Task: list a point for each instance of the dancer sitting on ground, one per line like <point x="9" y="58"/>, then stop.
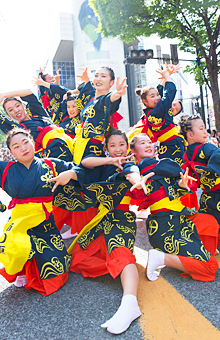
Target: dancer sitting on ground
<point x="108" y="246"/>
<point x="181" y="241"/>
<point x="32" y="250"/>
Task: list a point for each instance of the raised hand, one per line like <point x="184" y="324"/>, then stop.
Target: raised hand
<point x="118" y="161"/>
<point x="172" y="68"/>
<point x="183" y="182"/>
<point x="57" y="77"/>
<point x="37" y="81"/>
<point x="120" y="87"/>
<point x="63" y="178"/>
<point x="141" y="184"/>
<point x="42" y="69"/>
<point x="84" y="76"/>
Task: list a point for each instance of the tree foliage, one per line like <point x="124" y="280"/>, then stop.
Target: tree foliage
<point x="196" y="23"/>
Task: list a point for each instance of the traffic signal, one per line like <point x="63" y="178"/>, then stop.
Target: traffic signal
<point x="139" y="56"/>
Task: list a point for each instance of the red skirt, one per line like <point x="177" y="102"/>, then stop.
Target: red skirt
<point x="207" y="228"/>
<point x="190" y="201"/>
<point x="202" y="271"/>
<point x="44" y="287"/>
<point x="95" y="261"/>
<point x="75" y="219"/>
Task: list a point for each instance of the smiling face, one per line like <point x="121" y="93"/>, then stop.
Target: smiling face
<point x="117" y="146"/>
<point x="198" y="133"/>
<point x="72" y="109"/>
<point x="22" y="148"/>
<point x="16" y="111"/>
<point x="102" y="81"/>
<point x="176" y="108"/>
<point x="49" y="79"/>
<point x="152" y="98"/>
<point x="143" y="148"/>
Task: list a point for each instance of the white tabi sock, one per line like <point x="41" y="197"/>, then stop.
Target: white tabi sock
<point x="155" y="259"/>
<point x="126" y="313"/>
<point x="20" y="281"/>
<point x="68" y="234"/>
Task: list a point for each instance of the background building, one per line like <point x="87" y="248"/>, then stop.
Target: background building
<point x="76" y="44"/>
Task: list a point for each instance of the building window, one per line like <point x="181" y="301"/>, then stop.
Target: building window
<point x="67" y="73"/>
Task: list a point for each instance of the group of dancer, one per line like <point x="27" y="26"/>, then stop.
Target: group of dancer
<point x="75" y="167"/>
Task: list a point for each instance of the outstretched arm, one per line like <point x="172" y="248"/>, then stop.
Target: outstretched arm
<point x="63" y="178"/>
<point x="18" y="93"/>
<point x="138" y="181"/>
<point x="57" y="77"/>
<point x="183" y="182"/>
<point x="120" y="90"/>
<point x="40" y="82"/>
<point x="84" y="76"/>
<point x="92" y="162"/>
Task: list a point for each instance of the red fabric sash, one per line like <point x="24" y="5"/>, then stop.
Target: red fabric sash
<point x="65" y="118"/>
<point x="23" y="126"/>
<point x="45" y="199"/>
<point x="43" y="132"/>
<point x="5" y="173"/>
<point x="42" y="200"/>
<point x="190" y="164"/>
<point x="148" y="168"/>
<point x="153" y="198"/>
<point x="162" y="132"/>
<point x="50" y="164"/>
<point x="45" y="100"/>
<point x="157" y="134"/>
<point x="115" y="118"/>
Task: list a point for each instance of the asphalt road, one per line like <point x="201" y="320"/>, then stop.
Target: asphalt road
<point x="78" y="309"/>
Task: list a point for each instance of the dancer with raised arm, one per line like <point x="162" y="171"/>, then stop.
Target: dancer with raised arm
<point x="50" y="140"/>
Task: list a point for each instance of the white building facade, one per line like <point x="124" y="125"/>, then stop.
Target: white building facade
<point x="76" y="44"/>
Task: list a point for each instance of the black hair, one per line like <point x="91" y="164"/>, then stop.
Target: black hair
<point x="114" y="132"/>
<point x="111" y="72"/>
<point x="8" y="100"/>
<point x="70" y="96"/>
<point x="185" y="123"/>
<point x="43" y="76"/>
<point x="142" y="92"/>
<point x="15" y="132"/>
<point x="215" y="133"/>
<point x="181" y="105"/>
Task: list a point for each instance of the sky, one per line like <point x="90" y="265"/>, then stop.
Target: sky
<point x="25" y="27"/>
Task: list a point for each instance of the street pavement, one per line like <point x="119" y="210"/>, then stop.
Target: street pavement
<point x="172" y="307"/>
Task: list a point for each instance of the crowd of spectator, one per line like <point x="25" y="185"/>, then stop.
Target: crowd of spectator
<point x="5" y="155"/>
<point x="214" y="137"/>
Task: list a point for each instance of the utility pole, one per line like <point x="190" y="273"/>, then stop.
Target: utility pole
<point x="201" y="90"/>
<point x="207" y="103"/>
